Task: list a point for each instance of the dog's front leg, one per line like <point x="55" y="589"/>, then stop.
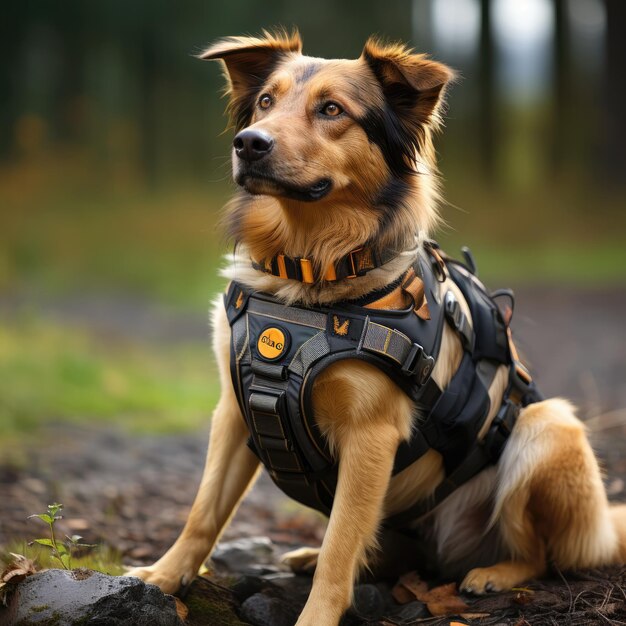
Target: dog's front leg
<point x="367" y="453"/>
<point x="228" y="472"/>
<point x="229" y="469"/>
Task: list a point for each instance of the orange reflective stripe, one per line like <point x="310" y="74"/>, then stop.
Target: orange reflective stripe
<point x="282" y="270"/>
<point x="330" y="273"/>
<point x="307" y="271"/>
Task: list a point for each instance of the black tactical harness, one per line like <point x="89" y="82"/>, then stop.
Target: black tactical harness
<point x="277" y="351"/>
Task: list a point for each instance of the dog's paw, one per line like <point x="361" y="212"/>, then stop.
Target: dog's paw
<point x="501" y="577"/>
<point x="302" y="560"/>
<point x="168" y="581"/>
<point x="483" y="580"/>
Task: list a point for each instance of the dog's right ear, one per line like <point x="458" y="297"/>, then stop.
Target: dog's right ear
<point x="248" y="61"/>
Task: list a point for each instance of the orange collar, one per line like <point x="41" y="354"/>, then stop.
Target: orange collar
<point x="356" y="263"/>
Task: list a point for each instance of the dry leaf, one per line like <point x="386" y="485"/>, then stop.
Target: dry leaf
<point x="474" y="615"/>
<point x="19" y="566"/>
<point x="181" y="609"/>
<point x="444" y="600"/>
<point x="401" y="594"/>
<point x="18" y="569"/>
<point x="414" y="584"/>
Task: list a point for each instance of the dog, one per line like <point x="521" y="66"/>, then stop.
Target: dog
<point x="333" y="157"/>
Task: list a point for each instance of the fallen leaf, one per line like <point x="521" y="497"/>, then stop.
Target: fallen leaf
<point x="444" y="600"/>
<point x="18" y="569"/>
<point x="401" y="594"/>
<point x="19" y="566"/>
<point x="204" y="570"/>
<point x="414" y="584"/>
<point x="474" y="615"/>
<point x="181" y="609"/>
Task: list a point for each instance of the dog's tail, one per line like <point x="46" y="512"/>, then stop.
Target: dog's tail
<point x="618" y="516"/>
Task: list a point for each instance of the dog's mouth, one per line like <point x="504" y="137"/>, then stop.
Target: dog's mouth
<point x="261" y="183"/>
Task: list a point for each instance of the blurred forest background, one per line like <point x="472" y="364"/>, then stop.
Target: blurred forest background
<point x="114" y="166"/>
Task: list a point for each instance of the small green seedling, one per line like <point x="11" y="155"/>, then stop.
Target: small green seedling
<point x="61" y="551"/>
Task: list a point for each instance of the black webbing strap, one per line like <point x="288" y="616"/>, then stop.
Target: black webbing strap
<point x="483" y="453"/>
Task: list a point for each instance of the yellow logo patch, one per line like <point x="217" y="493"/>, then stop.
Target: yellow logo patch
<point x="272" y="343"/>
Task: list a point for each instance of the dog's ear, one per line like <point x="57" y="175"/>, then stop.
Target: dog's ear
<point x="412" y="83"/>
<point x="248" y="61"/>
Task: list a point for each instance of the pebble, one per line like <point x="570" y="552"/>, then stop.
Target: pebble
<point x="262" y="610"/>
<point x="367" y="602"/>
<point x="246" y="556"/>
<point x="410" y="612"/>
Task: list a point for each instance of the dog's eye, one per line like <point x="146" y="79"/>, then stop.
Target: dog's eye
<point x="265" y="101"/>
<point x="332" y="109"/>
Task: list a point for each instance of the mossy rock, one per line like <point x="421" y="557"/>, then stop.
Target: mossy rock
<point x="211" y="603"/>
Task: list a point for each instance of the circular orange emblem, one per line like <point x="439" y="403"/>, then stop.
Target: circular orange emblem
<point x="272" y="343"/>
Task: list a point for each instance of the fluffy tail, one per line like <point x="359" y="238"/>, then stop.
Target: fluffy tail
<point x="618" y="515"/>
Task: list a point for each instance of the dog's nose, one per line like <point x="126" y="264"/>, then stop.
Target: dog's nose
<point x="252" y="145"/>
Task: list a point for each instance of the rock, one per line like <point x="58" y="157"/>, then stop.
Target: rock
<point x="245" y="556"/>
<point x="368" y="602"/>
<point x="247" y="586"/>
<point x="262" y="610"/>
<point x="408" y="613"/>
<point x="67" y="598"/>
<point x="211" y="603"/>
<point x="293" y="588"/>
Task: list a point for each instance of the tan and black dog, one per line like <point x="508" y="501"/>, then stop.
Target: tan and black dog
<point x="333" y="157"/>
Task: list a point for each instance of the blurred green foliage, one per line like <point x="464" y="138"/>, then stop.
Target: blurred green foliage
<point x="51" y="373"/>
<point x="114" y="167"/>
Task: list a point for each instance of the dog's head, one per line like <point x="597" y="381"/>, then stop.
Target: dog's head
<point x="327" y="137"/>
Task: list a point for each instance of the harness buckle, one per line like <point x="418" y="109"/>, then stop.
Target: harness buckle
<point x="418" y="362"/>
<point x="459" y="321"/>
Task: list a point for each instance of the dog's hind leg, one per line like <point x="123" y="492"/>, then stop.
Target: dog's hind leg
<point x="550" y="501"/>
<point x="229" y="470"/>
<point x="302" y="560"/>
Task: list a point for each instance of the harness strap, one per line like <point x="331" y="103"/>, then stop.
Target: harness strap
<point x="356" y="263"/>
<point x="482" y="454"/>
<point x="458" y="320"/>
<point x="397" y="346"/>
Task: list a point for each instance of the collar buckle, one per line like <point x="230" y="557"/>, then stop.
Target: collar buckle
<point x="354" y="264"/>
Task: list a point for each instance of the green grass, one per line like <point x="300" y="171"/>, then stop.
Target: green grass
<point x="101" y="558"/>
<point x="50" y="373"/>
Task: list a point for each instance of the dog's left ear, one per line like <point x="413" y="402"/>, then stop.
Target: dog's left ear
<point x="412" y="83"/>
<point x="248" y="61"/>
